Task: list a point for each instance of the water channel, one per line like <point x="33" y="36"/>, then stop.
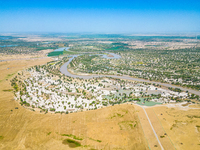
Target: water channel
<point x="64" y="71"/>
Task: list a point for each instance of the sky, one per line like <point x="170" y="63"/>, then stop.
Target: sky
<point x="100" y="16"/>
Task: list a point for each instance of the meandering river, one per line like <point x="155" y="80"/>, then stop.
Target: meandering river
<point x="61" y="49"/>
<point x="64" y="70"/>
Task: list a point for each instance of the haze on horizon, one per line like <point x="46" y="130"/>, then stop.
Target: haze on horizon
<point x="100" y="16"/>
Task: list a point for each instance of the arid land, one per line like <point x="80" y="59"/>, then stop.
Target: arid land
<point x="123" y="126"/>
<point x="24" y="129"/>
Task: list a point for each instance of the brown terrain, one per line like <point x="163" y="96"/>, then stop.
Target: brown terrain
<point x="122" y="126"/>
<point x="114" y="127"/>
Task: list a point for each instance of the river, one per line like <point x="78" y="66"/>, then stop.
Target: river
<point x="7" y="45"/>
<point x="61" y="49"/>
<point x="64" y="71"/>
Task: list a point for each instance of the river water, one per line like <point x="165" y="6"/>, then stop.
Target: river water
<point x="7" y="45"/>
<point x="64" y="71"/>
<point x="61" y="49"/>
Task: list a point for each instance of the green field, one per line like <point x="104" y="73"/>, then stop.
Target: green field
<point x="55" y="53"/>
<point x="146" y="103"/>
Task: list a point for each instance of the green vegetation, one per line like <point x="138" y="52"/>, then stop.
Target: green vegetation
<point x="9" y="90"/>
<point x="71" y="143"/>
<point x="126" y="125"/>
<point x="44" y="48"/>
<point x="14" y="84"/>
<point x="118" y="46"/>
<point x="69" y="53"/>
<point x="146" y="103"/>
<point x="175" y="89"/>
<point x="1" y="137"/>
<point x="55" y="53"/>
<point x="162" y="136"/>
<point x="72" y="136"/>
<point x="10" y="75"/>
<point x="153" y="62"/>
<point x="14" y="45"/>
<point x="95" y="140"/>
<point x="52" y="109"/>
<point x="193" y="116"/>
<point x="180" y="67"/>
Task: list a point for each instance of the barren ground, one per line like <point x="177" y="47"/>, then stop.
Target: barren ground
<point x="114" y="127"/>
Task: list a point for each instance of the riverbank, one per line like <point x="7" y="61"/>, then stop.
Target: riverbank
<point x="65" y="71"/>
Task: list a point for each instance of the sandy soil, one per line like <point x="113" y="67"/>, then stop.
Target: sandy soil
<point x="42" y="53"/>
<point x="182" y="126"/>
<point x="122" y="126"/>
<point x="107" y="128"/>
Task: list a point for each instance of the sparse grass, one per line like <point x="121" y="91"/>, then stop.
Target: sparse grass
<point x="8" y="90"/>
<point x="10" y="75"/>
<point x="193" y="116"/>
<point x="88" y="123"/>
<point x="126" y="125"/>
<point x="198" y="128"/>
<point x="1" y="137"/>
<point x="95" y="140"/>
<point x="180" y="121"/>
<point x="174" y="125"/>
<point x="49" y="133"/>
<point x="72" y="136"/>
<point x="119" y="115"/>
<point x="185" y="104"/>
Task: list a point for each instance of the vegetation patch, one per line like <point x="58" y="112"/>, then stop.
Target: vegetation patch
<point x="117" y="115"/>
<point x="71" y="143"/>
<point x="126" y="125"/>
<point x="174" y="125"/>
<point x="162" y="136"/>
<point x="55" y="53"/>
<point x="175" y="89"/>
<point x="198" y="127"/>
<point x="69" y="52"/>
<point x="95" y="140"/>
<point x="1" y="137"/>
<point x="72" y="136"/>
<point x="10" y="75"/>
<point x="44" y="48"/>
<point x="49" y="133"/>
<point x="8" y="90"/>
<point x="193" y="116"/>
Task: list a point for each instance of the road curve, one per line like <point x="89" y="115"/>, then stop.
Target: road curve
<point x="64" y="71"/>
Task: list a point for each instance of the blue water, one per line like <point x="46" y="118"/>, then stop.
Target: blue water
<point x="61" y="49"/>
<point x="3" y="38"/>
<point x="7" y="45"/>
